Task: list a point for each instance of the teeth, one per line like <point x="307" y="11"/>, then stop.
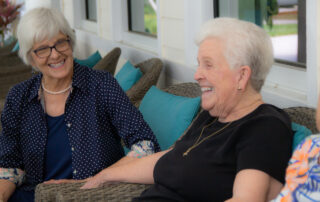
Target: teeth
<point x="206" y="89"/>
<point x="56" y="65"/>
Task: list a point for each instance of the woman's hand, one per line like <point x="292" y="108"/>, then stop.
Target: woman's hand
<point x="63" y="181"/>
<point x="93" y="182"/>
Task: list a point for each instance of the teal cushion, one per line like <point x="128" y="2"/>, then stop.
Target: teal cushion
<point x="91" y="61"/>
<point x="15" y="48"/>
<point x="300" y="132"/>
<point x="128" y="76"/>
<point x="168" y="115"/>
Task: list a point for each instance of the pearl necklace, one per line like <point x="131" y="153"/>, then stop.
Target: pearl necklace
<point x="57" y="92"/>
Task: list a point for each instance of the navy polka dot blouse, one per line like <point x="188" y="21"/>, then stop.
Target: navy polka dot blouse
<point x="98" y="114"/>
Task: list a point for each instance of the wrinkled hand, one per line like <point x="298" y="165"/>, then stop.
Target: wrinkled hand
<point x="63" y="181"/>
<point x="93" y="182"/>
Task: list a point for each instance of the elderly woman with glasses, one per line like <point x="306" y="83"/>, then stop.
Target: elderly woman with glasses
<point x="66" y="122"/>
<point x="238" y="147"/>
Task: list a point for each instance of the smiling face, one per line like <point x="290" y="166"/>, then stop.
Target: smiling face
<point x="218" y="82"/>
<point x="58" y="65"/>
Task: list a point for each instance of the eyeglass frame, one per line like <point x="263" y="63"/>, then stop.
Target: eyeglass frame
<point x="51" y="47"/>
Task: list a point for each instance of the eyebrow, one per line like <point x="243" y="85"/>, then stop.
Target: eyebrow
<point x="45" y="46"/>
<point x="206" y="59"/>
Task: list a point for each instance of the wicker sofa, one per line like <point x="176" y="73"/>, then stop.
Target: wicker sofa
<point x="109" y="61"/>
<point x="151" y="70"/>
<point x="126" y="191"/>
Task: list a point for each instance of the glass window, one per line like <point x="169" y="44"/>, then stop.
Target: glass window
<point x="284" y="20"/>
<point x="91" y="10"/>
<point x="143" y="16"/>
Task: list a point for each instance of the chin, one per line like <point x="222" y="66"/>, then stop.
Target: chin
<point x="205" y="107"/>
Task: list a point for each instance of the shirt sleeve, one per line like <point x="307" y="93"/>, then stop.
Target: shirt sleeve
<point x="10" y="152"/>
<point x="141" y="149"/>
<point x="126" y="118"/>
<point x="265" y="144"/>
<point x="14" y="175"/>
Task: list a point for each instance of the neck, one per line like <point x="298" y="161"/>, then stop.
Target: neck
<point x="245" y="106"/>
<point x="56" y="84"/>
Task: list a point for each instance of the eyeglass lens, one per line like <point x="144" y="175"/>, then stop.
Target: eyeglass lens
<point x="60" y="46"/>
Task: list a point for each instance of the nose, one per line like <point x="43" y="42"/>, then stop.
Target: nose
<point x="54" y="53"/>
<point x="198" y="74"/>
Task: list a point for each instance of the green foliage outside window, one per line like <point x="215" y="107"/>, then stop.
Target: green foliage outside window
<point x="150" y="18"/>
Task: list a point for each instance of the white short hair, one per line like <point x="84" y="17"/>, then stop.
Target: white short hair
<point x="246" y="44"/>
<point x="39" y="24"/>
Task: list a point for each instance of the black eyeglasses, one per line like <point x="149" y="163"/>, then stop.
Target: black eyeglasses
<point x="60" y="46"/>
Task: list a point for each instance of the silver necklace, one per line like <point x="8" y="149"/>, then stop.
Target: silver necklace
<point x="57" y="92"/>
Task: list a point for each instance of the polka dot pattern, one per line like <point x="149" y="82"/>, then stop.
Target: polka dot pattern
<point x="98" y="114"/>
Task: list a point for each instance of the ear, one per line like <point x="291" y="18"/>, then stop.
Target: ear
<point x="244" y="77"/>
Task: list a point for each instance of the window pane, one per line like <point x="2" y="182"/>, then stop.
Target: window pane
<point x="284" y="20"/>
<point x="91" y="10"/>
<point x="143" y="16"/>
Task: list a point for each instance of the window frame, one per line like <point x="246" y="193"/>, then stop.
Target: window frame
<point x="277" y="60"/>
<point x="130" y="23"/>
<point x="122" y="34"/>
<point x="87" y="11"/>
<point x="81" y="21"/>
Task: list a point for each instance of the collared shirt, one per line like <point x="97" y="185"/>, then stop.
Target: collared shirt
<point x="98" y="114"/>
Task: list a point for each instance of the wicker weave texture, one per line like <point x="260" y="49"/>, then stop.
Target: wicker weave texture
<point x="6" y="70"/>
<point x="151" y="70"/>
<point x="71" y="192"/>
<point x="184" y="89"/>
<point x="304" y="116"/>
<point x="7" y="49"/>
<point x="109" y="62"/>
<point x="48" y="192"/>
<point x="10" y="60"/>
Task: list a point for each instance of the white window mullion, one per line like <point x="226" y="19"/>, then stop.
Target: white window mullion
<point x="313" y="54"/>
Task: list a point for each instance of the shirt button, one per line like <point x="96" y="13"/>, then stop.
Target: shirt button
<point x="72" y="149"/>
<point x="69" y="125"/>
<point x="75" y="172"/>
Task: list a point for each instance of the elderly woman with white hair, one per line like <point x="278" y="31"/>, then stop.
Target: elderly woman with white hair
<point x="66" y="122"/>
<point x="238" y="147"/>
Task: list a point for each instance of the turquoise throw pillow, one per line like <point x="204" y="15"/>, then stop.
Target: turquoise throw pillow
<point x="168" y="115"/>
<point x="15" y="48"/>
<point x="91" y="61"/>
<point x="300" y="132"/>
<point x="128" y="76"/>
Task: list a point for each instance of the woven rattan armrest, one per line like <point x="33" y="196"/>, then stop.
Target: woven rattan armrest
<point x="72" y="192"/>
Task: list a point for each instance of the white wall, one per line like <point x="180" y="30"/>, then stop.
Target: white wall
<point x="172" y="26"/>
<point x="178" y="22"/>
<point x="30" y="4"/>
